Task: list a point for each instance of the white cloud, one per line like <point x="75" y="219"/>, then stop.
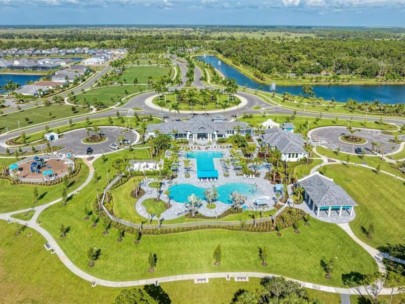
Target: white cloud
<point x="309" y="4"/>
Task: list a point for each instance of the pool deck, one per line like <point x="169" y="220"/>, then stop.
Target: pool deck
<point x="265" y="190"/>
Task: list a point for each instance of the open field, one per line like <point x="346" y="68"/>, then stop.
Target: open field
<point x="380" y="200"/>
<point x="108" y="96"/>
<point x="124" y="260"/>
<point x="144" y="74"/>
<point x="38" y="115"/>
<point x="30" y="274"/>
<point x="15" y="197"/>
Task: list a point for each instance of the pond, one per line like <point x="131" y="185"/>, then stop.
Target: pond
<point x="389" y="94"/>
<point x="21" y="79"/>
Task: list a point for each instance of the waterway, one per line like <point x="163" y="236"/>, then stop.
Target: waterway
<point x="21" y="79"/>
<point x="389" y="94"/>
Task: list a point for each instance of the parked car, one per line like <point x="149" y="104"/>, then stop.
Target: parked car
<point x="114" y="146"/>
<point x="358" y="150"/>
<point x="126" y="142"/>
<point x="89" y="150"/>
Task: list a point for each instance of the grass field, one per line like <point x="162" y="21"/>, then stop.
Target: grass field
<point x="38" y="115"/>
<point x="144" y="74"/>
<point x="30" y="274"/>
<point x="191" y="252"/>
<point x="110" y="95"/>
<point x="372" y="161"/>
<point x="399" y="155"/>
<point x="26" y="268"/>
<point x="154" y="207"/>
<point x="380" y="200"/>
<point x="304" y="124"/>
<point x="15" y="197"/>
<point x="304" y="169"/>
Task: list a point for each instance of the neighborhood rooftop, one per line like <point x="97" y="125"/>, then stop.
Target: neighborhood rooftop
<point x="285" y="142"/>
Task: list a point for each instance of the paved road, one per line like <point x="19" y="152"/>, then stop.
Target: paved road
<point x="87" y="84"/>
<point x="197" y="78"/>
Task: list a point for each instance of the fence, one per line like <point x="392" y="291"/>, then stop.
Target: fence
<point x="189" y="225"/>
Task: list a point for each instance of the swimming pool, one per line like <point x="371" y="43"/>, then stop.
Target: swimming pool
<point x="180" y="193"/>
<point x="205" y="163"/>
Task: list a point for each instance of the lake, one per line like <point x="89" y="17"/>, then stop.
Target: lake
<point x="389" y="94"/>
<point x="21" y="79"/>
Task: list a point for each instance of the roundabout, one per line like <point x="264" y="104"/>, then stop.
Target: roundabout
<point x="149" y="103"/>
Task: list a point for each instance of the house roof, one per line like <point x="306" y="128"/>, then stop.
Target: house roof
<point x="197" y="124"/>
<point x="31" y="89"/>
<point x="283" y="141"/>
<point x="324" y="192"/>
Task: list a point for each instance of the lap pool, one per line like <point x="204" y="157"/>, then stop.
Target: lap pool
<point x="205" y="163"/>
<point x="180" y="193"/>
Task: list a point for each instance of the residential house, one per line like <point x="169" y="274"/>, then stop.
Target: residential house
<point x="290" y="145"/>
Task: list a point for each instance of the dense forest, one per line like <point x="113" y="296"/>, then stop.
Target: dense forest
<point x="365" y="58"/>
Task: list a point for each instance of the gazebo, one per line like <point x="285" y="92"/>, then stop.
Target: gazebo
<point x="323" y="196"/>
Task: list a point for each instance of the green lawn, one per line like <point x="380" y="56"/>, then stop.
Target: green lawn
<point x="372" y="161"/>
<point x="109" y="96"/>
<point x="399" y="155"/>
<point x="25" y="216"/>
<point x="30" y="274"/>
<point x="124" y="260"/>
<point x="144" y="73"/>
<point x="15" y="197"/>
<point x="38" y="115"/>
<point x="301" y="125"/>
<point x="154" y="207"/>
<point x="380" y="200"/>
<point x="303" y="170"/>
<point x="124" y="204"/>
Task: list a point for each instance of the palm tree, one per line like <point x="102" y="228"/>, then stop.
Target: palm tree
<point x="211" y="195"/>
<point x="187" y="164"/>
<point x="193" y="200"/>
<point x="237" y="200"/>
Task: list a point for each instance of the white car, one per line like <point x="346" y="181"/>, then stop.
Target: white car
<point x="114" y="146"/>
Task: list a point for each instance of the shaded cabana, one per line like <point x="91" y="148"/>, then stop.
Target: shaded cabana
<point x="322" y="195"/>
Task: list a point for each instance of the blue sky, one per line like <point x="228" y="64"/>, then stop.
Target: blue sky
<point x="233" y="12"/>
